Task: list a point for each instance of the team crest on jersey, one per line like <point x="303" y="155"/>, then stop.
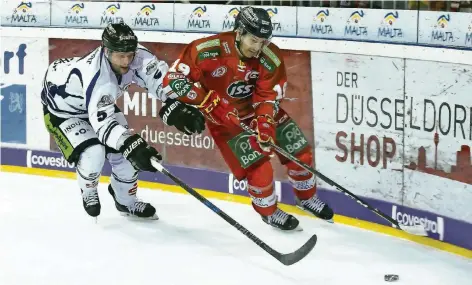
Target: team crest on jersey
<point x="105" y="100"/>
<point x="125" y="87"/>
<point x="192" y="95"/>
<point x="220" y="71"/>
<point x="151" y="67"/>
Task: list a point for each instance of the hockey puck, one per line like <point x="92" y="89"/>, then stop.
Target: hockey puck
<point x="391" y="277"/>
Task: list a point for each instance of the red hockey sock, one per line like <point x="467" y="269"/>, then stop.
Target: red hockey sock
<point x="261" y="189"/>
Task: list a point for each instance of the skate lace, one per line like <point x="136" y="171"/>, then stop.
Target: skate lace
<point x="137" y="206"/>
<point x="279" y="217"/>
<point x="90" y="197"/>
<point x="314" y="203"/>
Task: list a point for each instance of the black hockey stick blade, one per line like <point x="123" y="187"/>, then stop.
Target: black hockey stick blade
<point x="299" y="254"/>
<point x="286" y="259"/>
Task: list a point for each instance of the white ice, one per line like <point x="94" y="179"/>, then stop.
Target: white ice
<point x="47" y="238"/>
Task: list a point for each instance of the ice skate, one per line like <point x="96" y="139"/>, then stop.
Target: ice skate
<point x="136" y="209"/>
<point x="91" y="202"/>
<point x="283" y="221"/>
<point x="316" y="207"/>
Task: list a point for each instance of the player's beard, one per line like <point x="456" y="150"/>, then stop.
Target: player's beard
<point x="124" y="69"/>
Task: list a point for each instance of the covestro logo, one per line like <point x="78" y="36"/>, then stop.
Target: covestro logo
<point x="47" y="160"/>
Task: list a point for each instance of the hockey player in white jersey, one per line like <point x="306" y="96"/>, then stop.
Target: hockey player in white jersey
<point x="79" y="97"/>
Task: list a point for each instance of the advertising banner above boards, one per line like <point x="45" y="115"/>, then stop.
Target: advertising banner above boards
<point x="25" y="13"/>
<point x="442" y="28"/>
<point x="199" y="151"/>
<point x="435" y="28"/>
<point x="362" y="24"/>
<point x="440" y="228"/>
<point x="148" y="16"/>
<point x="22" y="62"/>
<point x="218" y="18"/>
<point x="396" y="130"/>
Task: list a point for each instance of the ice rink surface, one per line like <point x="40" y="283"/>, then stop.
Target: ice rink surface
<point x="47" y="238"/>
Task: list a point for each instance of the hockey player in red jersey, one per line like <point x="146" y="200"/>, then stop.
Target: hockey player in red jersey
<point x="241" y="75"/>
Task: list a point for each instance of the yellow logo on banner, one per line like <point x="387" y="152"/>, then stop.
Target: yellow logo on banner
<point x="199" y="11"/>
<point x="199" y="19"/>
<point x="233" y="13"/>
<point x="391" y="18"/>
<point x="443" y="21"/>
<point x="356" y="17"/>
<point x="321" y="16"/>
<point x="23" y="7"/>
<point x="113" y="9"/>
<point x="144" y="17"/>
<point x="272" y="12"/>
<point x="77" y="8"/>
<point x="147" y="10"/>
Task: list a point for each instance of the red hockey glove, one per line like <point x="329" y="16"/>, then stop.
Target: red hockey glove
<point x="265" y="128"/>
<point x="219" y="110"/>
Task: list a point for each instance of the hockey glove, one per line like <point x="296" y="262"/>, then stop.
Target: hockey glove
<point x="265" y="128"/>
<point x="219" y="110"/>
<point x="136" y="150"/>
<point x="185" y="118"/>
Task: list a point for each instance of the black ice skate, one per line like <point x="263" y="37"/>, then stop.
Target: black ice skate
<point x="316" y="207"/>
<point x="91" y="202"/>
<point x="283" y="221"/>
<point x="137" y="209"/>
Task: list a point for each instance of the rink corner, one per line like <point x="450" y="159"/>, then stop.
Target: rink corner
<point x="246" y="200"/>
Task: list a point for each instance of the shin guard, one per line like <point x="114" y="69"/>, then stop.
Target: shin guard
<point x="261" y="189"/>
<point x="303" y="181"/>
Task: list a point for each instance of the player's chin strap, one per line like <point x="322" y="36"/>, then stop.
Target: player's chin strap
<point x="286" y="259"/>
<point x="413" y="229"/>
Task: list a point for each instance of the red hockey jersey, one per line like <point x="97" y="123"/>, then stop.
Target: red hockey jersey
<point x="252" y="86"/>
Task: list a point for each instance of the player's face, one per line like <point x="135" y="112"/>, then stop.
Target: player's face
<point x="120" y="61"/>
<point x="251" y="45"/>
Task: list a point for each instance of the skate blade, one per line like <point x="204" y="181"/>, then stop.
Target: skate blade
<point x="133" y="217"/>
<point x="331" y="221"/>
<point x="297" y="229"/>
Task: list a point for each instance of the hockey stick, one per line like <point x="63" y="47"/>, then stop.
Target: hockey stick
<point x="414" y="230"/>
<point x="286" y="259"/>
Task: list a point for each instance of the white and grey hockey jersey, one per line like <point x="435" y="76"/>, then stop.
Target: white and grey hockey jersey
<point x="86" y="87"/>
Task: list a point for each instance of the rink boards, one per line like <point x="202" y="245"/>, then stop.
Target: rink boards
<point x="388" y="122"/>
<point x="222" y="185"/>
